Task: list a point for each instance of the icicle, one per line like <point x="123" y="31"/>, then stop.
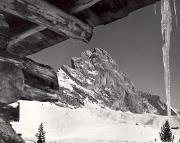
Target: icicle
<point x="166" y="27"/>
<point x="175" y="12"/>
<point x="155" y="9"/>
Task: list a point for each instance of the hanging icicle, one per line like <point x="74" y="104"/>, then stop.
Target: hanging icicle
<point x="175" y="12"/>
<point x="155" y="8"/>
<point x="166" y="28"/>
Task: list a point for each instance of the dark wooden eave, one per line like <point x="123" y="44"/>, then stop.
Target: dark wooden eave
<point x="36" y="75"/>
<point x="10" y="113"/>
<point x="39" y="24"/>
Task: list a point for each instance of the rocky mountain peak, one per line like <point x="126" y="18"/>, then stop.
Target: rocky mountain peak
<point x="96" y="76"/>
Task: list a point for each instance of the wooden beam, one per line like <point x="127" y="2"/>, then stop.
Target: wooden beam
<point x="35" y="94"/>
<point x="35" y="74"/>
<point x="25" y="34"/>
<point x="10" y="113"/>
<point x="13" y="61"/>
<point x="42" y="13"/>
<point x="77" y="7"/>
<point x="53" y="96"/>
<point x="82" y="5"/>
<point x="34" y="41"/>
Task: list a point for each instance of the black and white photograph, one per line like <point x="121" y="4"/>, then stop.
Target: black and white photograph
<point x="89" y="71"/>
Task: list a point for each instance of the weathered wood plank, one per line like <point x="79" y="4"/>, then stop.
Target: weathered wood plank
<point x="77" y="7"/>
<point x="107" y="11"/>
<point x="17" y="63"/>
<point x="29" y="38"/>
<point x="10" y="113"/>
<point x="26" y="44"/>
<point x="42" y="13"/>
<point x="54" y="96"/>
<point x="82" y="5"/>
<point x="35" y="74"/>
<point x="93" y="12"/>
<point x="35" y="94"/>
<point x="26" y="34"/>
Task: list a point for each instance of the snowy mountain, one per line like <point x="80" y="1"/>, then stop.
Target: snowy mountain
<point x="96" y="76"/>
<point x="110" y="107"/>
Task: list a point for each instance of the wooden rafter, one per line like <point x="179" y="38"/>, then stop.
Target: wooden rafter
<point x="82" y="5"/>
<point x="10" y="113"/>
<point x="42" y="13"/>
<point x="35" y="74"/>
<point x="25" y="34"/>
<point x="94" y="12"/>
<point x="77" y="7"/>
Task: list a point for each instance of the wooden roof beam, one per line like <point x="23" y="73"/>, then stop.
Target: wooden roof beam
<point x="78" y="7"/>
<point x="9" y="113"/>
<point x="25" y="34"/>
<point x="44" y="14"/>
<point x="82" y="5"/>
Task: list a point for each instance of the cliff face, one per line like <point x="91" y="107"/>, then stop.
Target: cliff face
<point x="96" y="76"/>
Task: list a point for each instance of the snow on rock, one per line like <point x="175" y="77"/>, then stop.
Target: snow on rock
<point x="96" y="76"/>
<point x="113" y="110"/>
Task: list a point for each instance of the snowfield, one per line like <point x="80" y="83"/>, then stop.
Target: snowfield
<point x="97" y="141"/>
<point x="91" y="124"/>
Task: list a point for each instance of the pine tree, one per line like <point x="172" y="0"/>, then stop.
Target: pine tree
<point x="41" y="134"/>
<point x="166" y="134"/>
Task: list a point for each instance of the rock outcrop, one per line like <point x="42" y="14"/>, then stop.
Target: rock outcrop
<point x="96" y="76"/>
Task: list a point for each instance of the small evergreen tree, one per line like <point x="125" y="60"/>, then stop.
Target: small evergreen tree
<point x="166" y="134"/>
<point x="41" y="134"/>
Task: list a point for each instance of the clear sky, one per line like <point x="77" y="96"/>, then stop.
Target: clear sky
<point x="135" y="43"/>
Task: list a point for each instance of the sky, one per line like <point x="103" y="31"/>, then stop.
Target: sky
<point x="135" y="43"/>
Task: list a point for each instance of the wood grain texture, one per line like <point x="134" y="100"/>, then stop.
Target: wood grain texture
<point x="107" y="11"/>
<point x="42" y="13"/>
<point x="35" y="41"/>
<point x="28" y="42"/>
<point x="10" y="113"/>
<point x="35" y="74"/>
<point x="92" y="12"/>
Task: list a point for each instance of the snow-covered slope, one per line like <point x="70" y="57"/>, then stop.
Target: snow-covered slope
<point x="91" y="123"/>
<point x="96" y="76"/>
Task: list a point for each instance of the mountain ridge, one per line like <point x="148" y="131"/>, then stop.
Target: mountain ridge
<point x="96" y="76"/>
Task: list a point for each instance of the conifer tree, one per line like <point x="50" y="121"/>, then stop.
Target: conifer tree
<point x="41" y="134"/>
<point x="166" y="134"/>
